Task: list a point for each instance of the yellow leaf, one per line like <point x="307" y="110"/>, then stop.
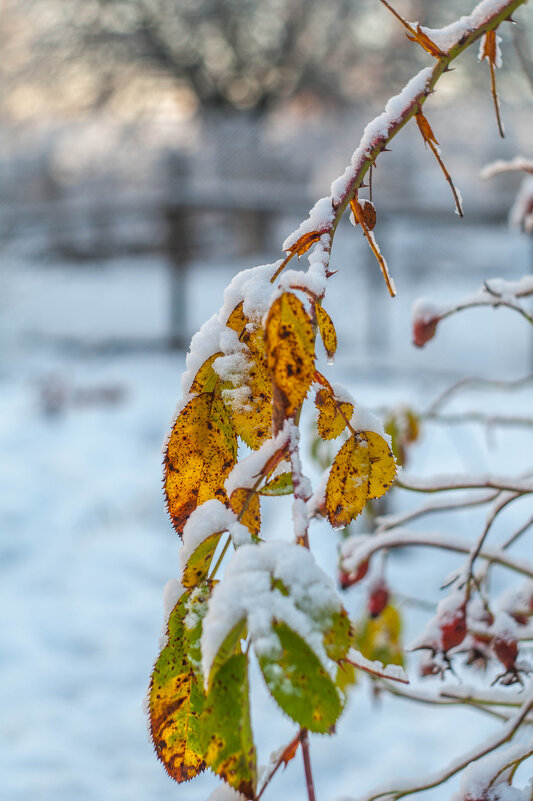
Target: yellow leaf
<point x="206" y="379"/>
<point x="382" y="464"/>
<point x="332" y="415"/>
<point x="327" y="331"/>
<point x="290" y="355"/>
<point x="250" y="402"/>
<point x="363" y="469"/>
<point x="245" y="503"/>
<point x="200" y="454"/>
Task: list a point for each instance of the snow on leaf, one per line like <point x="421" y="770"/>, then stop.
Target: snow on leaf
<point x="299" y="682"/>
<point x="200" y="454"/>
<point x="332" y="414"/>
<point x="327" y="331"/>
<point x="363" y="469"/>
<point x="290" y="355"/>
<point x="245" y="504"/>
<point x="226" y="731"/>
<point x="176" y="700"/>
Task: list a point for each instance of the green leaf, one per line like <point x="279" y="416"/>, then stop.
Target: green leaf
<point x="281" y="485"/>
<point x="199" y="561"/>
<point x="226" y="728"/>
<point x="230" y="645"/>
<point x="299" y="682"/>
<point x="176" y="700"/>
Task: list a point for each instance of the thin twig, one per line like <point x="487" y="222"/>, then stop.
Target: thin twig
<point x="307" y="765"/>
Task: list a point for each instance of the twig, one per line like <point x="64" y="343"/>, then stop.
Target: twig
<point x="365" y="547"/>
<point x="307" y="765"/>
<point x="484" y="383"/>
<point x="387" y="522"/>
<point x="434" y="780"/>
<point x="517" y="534"/>
<point x="445" y="483"/>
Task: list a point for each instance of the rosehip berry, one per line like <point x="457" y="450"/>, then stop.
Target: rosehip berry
<point x="424" y="330"/>
<point x="453" y="628"/>
<point x="506" y="650"/>
<point x="377" y="600"/>
<point x="347" y="579"/>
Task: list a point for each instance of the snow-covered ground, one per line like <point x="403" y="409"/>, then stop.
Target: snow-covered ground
<point x="86" y="546"/>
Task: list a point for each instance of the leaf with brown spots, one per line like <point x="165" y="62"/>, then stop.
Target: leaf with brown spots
<point x="206" y="379"/>
<point x="333" y="415"/>
<point x="299" y="682"/>
<point x="250" y="399"/>
<point x="200" y="454"/>
<point x="245" y="504"/>
<point x="176" y="701"/>
<point x="226" y="731"/>
<point x="368" y="212"/>
<point x="327" y="331"/>
<point x="290" y="355"/>
<point x="363" y="469"/>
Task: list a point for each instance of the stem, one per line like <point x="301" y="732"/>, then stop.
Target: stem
<point x="494" y="93"/>
<point x="307" y="765"/>
<point x="435" y="151"/>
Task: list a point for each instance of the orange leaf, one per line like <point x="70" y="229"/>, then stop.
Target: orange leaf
<point x="425" y="128"/>
<point x="425" y="42"/>
<point x="304" y="243"/>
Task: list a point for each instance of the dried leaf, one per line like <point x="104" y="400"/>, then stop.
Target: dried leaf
<point x="245" y="504"/>
<point x="363" y="469"/>
<point x="327" y="331"/>
<point x="425" y="128"/>
<point x="290" y="355"/>
<point x="359" y="219"/>
<point x="200" y="454"/>
<point x="332" y="414"/>
<point x="226" y="727"/>
<point x="425" y="42"/>
<point x="304" y="243"/>
<point x="489" y="50"/>
<point x="176" y="700"/>
<point x="429" y="138"/>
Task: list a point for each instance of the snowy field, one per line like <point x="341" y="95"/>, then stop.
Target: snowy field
<point x="86" y="546"/>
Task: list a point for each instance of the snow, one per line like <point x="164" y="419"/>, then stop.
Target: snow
<point x="392" y="672"/>
<point x="517" y="164"/>
<point x="446" y="38"/>
<point x="320" y="218"/>
<point x="365" y="420"/>
<point x="87" y="546"/>
<point x="246" y="593"/>
<point x="209" y="518"/>
<point x="379" y="128"/>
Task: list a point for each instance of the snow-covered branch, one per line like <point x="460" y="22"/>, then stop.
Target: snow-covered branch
<point x="357" y="549"/>
<point x="395" y="790"/>
<point x="495" y="292"/>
